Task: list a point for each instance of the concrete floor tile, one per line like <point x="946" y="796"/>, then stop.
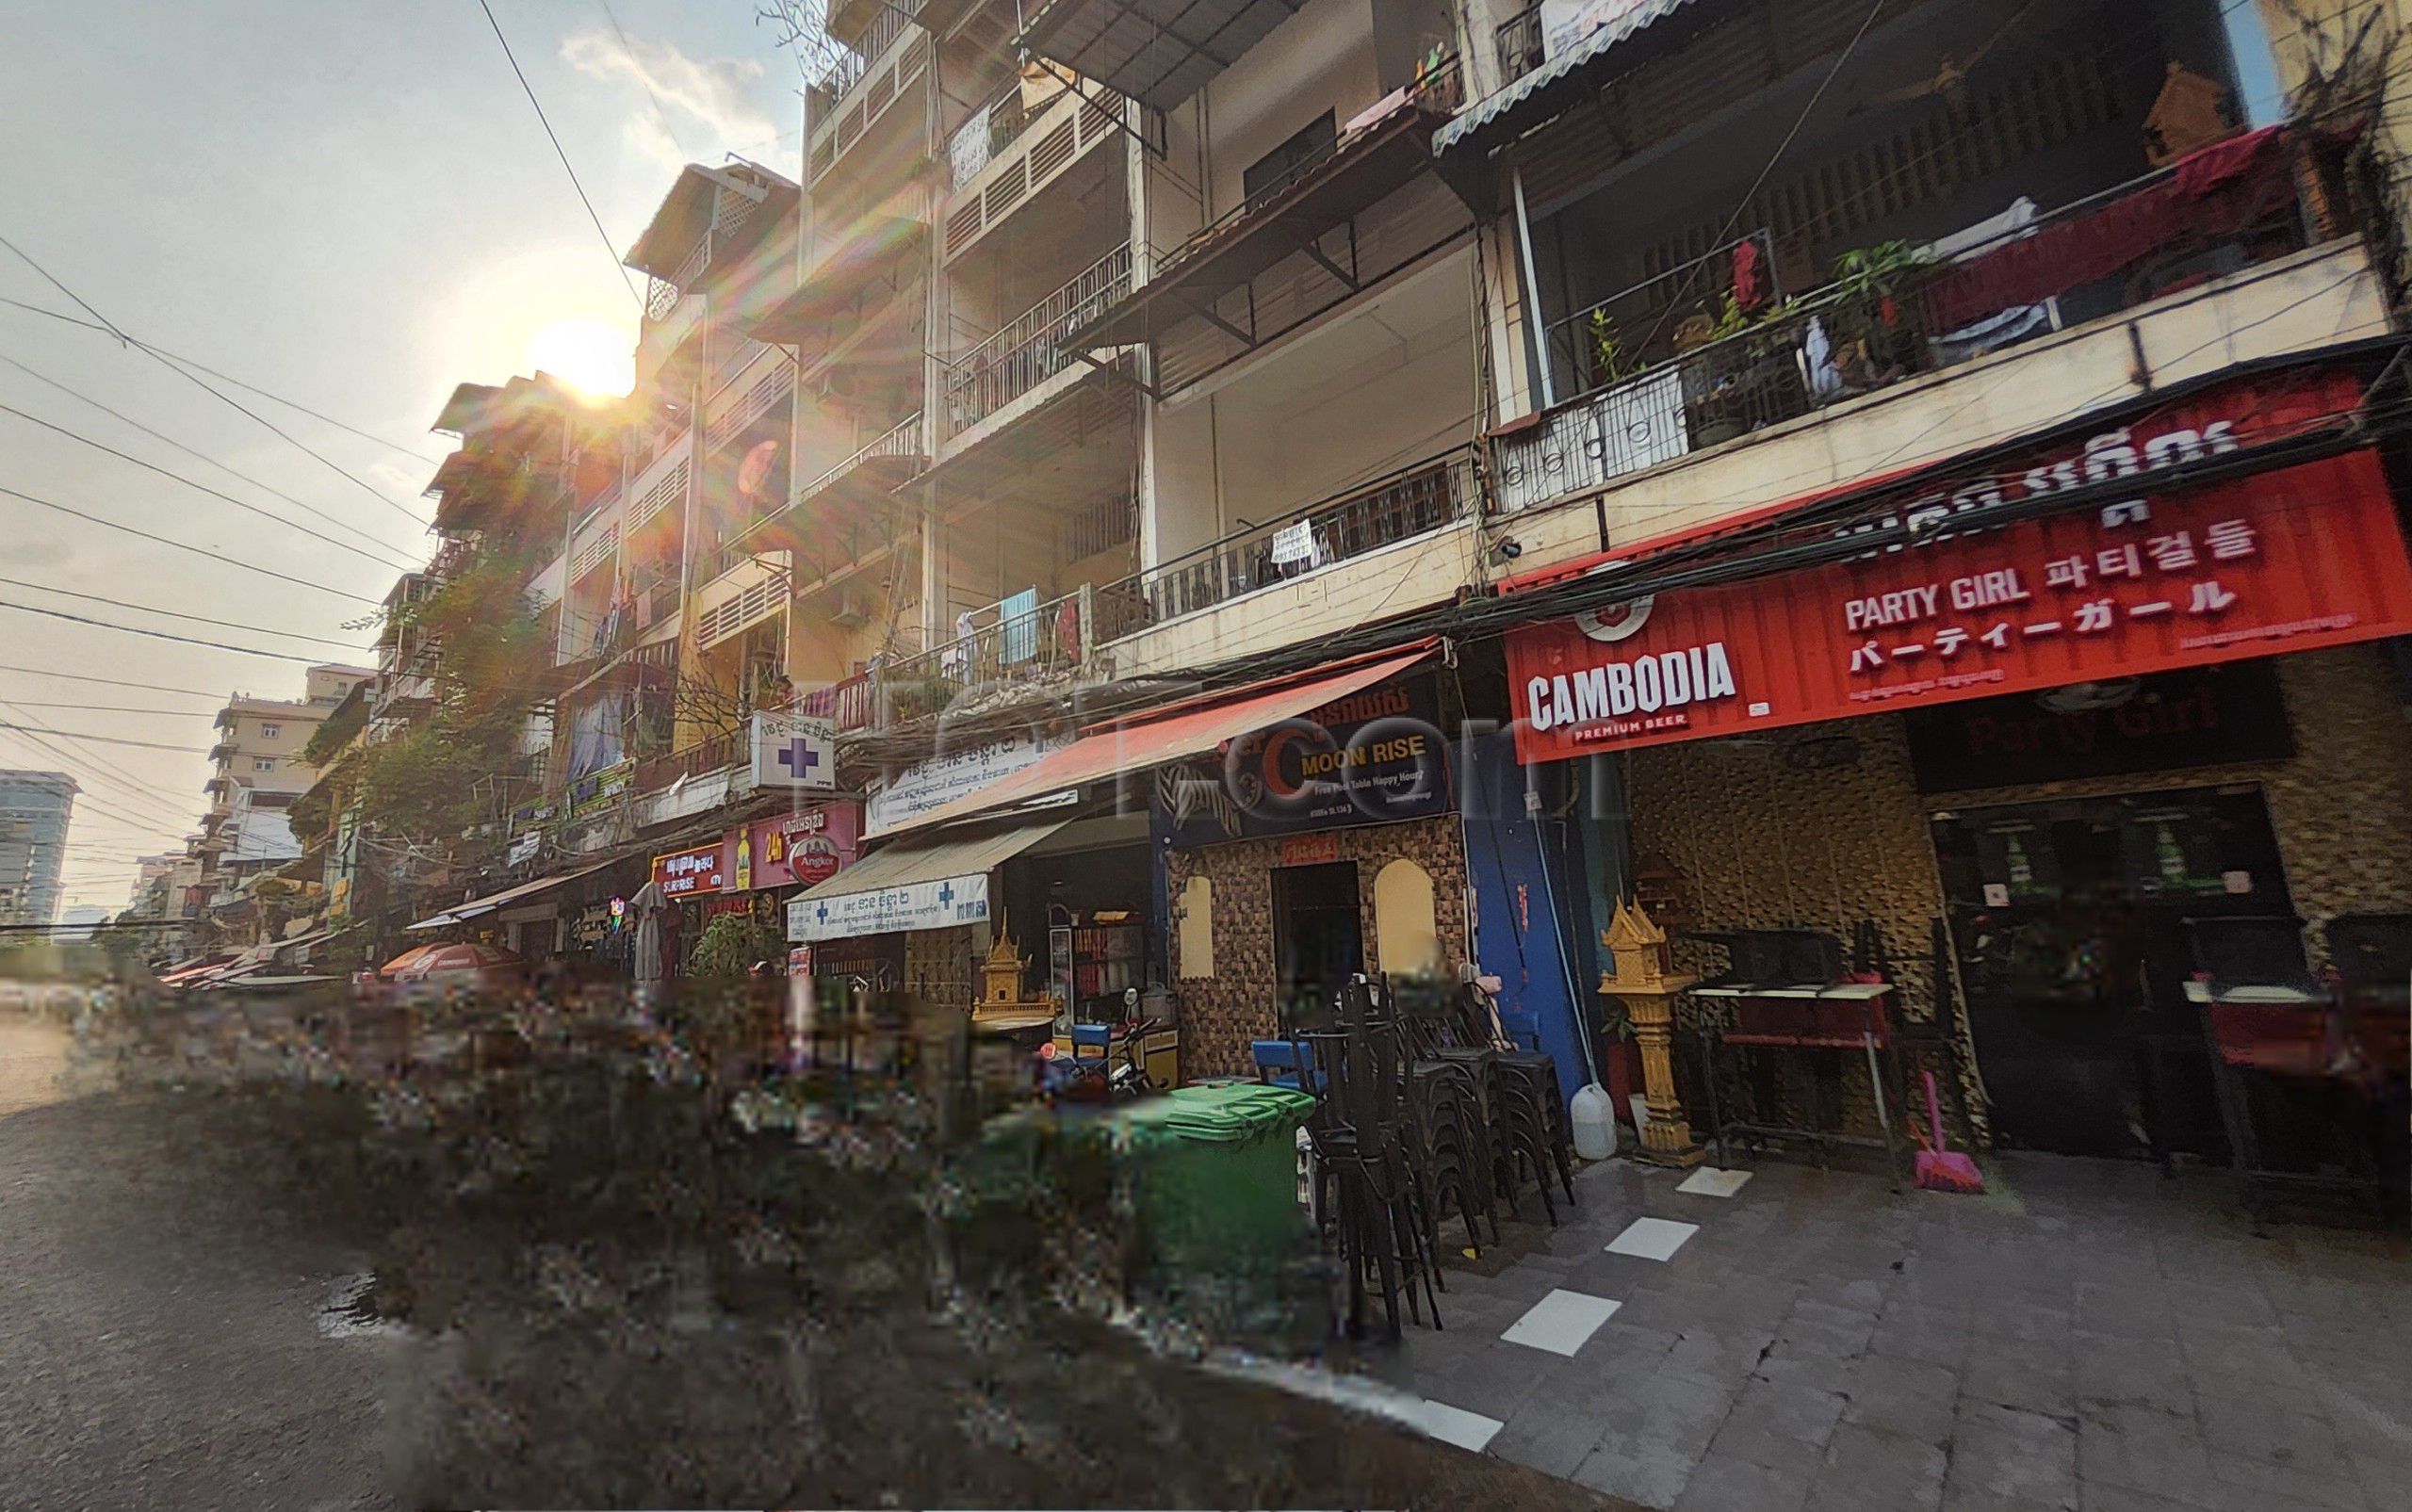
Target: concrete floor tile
<point x="1867" y="1470"/>
<point x="2006" y="1453"/>
<point x="1722" y="1484"/>
<point x="1708" y="1181"/>
<point x="1562" y="1322"/>
<point x="1654" y="1238"/>
<point x="2143" y="1448"/>
<point x="2257" y="1483"/>
<point x="1903" y="1397"/>
<point x="1651" y="1476"/>
<point x="2017" y="1373"/>
<point x="2109" y="1371"/>
<point x="1802" y="1413"/>
<point x="1456" y="1425"/>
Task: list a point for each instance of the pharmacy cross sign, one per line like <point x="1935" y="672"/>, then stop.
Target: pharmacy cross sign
<point x="794" y="751"/>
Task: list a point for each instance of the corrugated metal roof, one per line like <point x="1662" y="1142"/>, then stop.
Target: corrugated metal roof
<point x="1157" y="52"/>
<point x="1501" y="105"/>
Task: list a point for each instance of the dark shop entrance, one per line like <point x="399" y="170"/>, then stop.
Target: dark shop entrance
<point x="1318" y="938"/>
<point x="2076" y="924"/>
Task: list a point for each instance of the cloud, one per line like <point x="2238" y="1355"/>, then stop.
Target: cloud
<point x="715" y="93"/>
<point x="39" y="552"/>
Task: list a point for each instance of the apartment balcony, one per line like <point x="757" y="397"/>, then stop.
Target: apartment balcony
<point x="1156" y="52"/>
<point x="688" y="782"/>
<point x="850" y="703"/>
<point x="1969" y="350"/>
<point x="864" y="479"/>
<point x="881" y="64"/>
<point x="1340" y="222"/>
<point x="1050" y="645"/>
<point x="1007" y="156"/>
<point x="1030" y="349"/>
<point x="673" y="320"/>
<point x="747" y="592"/>
<point x="594" y="542"/>
<point x="760" y="390"/>
<point x="861" y="273"/>
<point x="663" y="486"/>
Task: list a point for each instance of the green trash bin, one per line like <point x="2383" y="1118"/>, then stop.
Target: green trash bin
<point x="1212" y="1175"/>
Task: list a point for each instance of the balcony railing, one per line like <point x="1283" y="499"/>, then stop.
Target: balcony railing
<point x="1407" y="503"/>
<point x="709" y="755"/>
<point x="854" y="62"/>
<point x="1017" y="640"/>
<point x="1519" y="45"/>
<point x="1644" y="393"/>
<point x="1026" y="352"/>
<point x="850" y="702"/>
<point x="903" y="441"/>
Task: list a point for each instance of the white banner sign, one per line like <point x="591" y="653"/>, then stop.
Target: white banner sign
<point x="889" y="910"/>
<point x="932" y="784"/>
<point x="1634" y="425"/>
<point x="795" y="751"/>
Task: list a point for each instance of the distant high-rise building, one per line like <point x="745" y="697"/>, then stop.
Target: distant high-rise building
<point x="35" y="807"/>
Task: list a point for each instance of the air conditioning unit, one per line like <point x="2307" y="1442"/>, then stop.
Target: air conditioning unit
<point x="848" y="610"/>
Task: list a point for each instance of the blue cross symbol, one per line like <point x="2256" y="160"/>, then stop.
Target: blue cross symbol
<point x="799" y="757"/>
<point x="946" y="892"/>
<point x="823" y="913"/>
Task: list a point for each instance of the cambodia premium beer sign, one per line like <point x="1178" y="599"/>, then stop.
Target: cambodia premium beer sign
<point x="2289" y="560"/>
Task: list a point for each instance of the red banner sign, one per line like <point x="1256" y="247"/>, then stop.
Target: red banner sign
<point x="692" y="873"/>
<point x="2290" y="560"/>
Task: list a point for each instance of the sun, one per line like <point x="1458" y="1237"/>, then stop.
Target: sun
<point x="592" y="355"/>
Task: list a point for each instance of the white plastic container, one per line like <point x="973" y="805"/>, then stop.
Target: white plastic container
<point x="1593" y="1116"/>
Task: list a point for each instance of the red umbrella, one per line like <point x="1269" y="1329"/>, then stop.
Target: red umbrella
<point x="405" y="961"/>
<point x="447" y="960"/>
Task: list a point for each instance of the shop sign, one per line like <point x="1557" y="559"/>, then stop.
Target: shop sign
<point x="691" y="873"/>
<point x="929" y="785"/>
<point x="595" y="924"/>
<point x="1369" y="758"/>
<point x="2290" y="560"/>
<point x="598" y="789"/>
<point x="808" y="846"/>
<point x="941" y="905"/>
<point x="795" y="751"/>
<point x="523" y="848"/>
<point x="1310" y="850"/>
<point x="2206" y="716"/>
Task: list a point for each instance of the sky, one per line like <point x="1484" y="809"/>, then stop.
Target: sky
<point x="350" y="204"/>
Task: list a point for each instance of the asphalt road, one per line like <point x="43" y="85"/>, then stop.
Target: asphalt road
<point x="155" y="1349"/>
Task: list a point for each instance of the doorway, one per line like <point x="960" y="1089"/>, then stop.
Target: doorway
<point x="2070" y="921"/>
<point x="1318" y="937"/>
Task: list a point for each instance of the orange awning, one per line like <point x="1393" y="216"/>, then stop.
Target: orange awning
<point x="1186" y="730"/>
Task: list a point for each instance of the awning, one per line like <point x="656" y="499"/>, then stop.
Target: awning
<point x="493" y="901"/>
<point x="1158" y="52"/>
<point x="932" y="884"/>
<point x="1570" y="79"/>
<point x="1185" y="730"/>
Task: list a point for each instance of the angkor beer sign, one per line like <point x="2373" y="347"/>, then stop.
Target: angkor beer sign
<point x="2289" y="560"/>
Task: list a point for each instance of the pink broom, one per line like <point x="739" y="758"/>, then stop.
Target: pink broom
<point x="1939" y="1169"/>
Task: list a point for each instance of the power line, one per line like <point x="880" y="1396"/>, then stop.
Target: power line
<point x="115" y="682"/>
<point x="235" y="405"/>
<point x="203" y="456"/>
<point x="645" y="79"/>
<point x="106" y="739"/>
<point x="112" y="708"/>
<point x="265" y="514"/>
<point x="295" y="405"/>
<point x="199" y="551"/>
<point x="556" y="140"/>
<point x="175" y="614"/>
<point x="160" y="635"/>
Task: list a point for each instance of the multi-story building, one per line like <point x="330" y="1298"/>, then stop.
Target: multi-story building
<point x="34" y="809"/>
<point x="257" y="771"/>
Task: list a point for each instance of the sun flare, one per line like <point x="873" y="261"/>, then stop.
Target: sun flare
<point x="592" y="355"/>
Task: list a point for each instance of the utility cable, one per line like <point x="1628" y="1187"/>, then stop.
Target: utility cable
<point x="162" y="635"/>
<point x="556" y="140"/>
<point x="203" y="456"/>
<point x="295" y="405"/>
<point x="266" y="514"/>
<point x="106" y="739"/>
<point x="199" y="551"/>
<point x="174" y="614"/>
<point x="117" y="682"/>
<point x="236" y="405"/>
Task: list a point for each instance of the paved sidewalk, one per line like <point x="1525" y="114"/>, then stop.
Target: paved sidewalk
<point x="2085" y="1335"/>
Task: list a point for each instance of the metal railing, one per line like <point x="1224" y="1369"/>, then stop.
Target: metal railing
<point x="1407" y="503"/>
<point x="1656" y="319"/>
<point x="709" y="755"/>
<point x="854" y="62"/>
<point x="903" y="441"/>
<point x="851" y="702"/>
<point x="1438" y="91"/>
<point x="1001" y="641"/>
<point x="2094" y="257"/>
<point x="1519" y="46"/>
<point x="1026" y="352"/>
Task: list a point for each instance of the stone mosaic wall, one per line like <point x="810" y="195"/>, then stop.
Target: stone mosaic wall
<point x="1220" y="1014"/>
<point x="1758" y="842"/>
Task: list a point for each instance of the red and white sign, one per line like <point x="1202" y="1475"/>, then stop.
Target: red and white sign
<point x="807" y="847"/>
<point x="2290" y="560"/>
<point x="692" y="873"/>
